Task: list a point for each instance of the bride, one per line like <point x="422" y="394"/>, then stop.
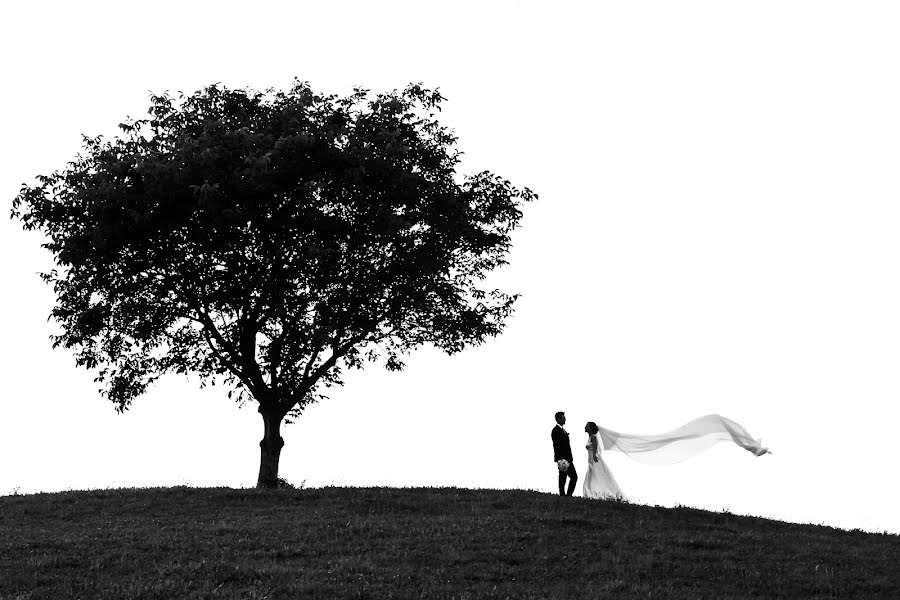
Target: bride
<point x="661" y="449"/>
<point x="599" y="481"/>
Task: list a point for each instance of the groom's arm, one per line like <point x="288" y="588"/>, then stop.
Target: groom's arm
<point x="555" y="435"/>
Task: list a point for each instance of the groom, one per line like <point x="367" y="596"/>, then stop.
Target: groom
<point x="563" y="451"/>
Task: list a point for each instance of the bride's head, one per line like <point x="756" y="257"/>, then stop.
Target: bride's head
<point x="591" y="428"/>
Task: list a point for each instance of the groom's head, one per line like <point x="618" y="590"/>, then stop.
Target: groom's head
<point x="561" y="418"/>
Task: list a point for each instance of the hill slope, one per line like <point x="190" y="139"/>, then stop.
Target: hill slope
<point x="415" y="543"/>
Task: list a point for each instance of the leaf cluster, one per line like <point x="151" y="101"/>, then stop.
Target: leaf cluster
<point x="271" y="240"/>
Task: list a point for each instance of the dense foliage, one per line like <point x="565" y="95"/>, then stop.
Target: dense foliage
<point x="271" y="240"/>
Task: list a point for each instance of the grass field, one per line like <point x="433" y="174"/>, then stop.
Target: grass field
<point x="418" y="543"/>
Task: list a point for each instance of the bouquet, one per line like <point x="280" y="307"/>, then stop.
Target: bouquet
<point x="563" y="465"/>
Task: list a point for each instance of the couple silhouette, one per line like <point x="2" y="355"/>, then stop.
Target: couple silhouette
<point x="666" y="448"/>
<point x="599" y="481"/>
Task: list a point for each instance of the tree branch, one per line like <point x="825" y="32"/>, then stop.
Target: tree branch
<point x="247" y="337"/>
<point x="337" y="352"/>
<point x="225" y="361"/>
<point x="309" y="380"/>
<point x="310" y="363"/>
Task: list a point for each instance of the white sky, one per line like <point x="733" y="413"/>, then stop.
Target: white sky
<point x="717" y="232"/>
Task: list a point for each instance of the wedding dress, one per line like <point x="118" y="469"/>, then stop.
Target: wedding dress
<point x="599" y="482"/>
<point x="663" y="449"/>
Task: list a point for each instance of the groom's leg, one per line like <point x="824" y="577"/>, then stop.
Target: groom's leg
<point x="562" y="482"/>
<point x="573" y="478"/>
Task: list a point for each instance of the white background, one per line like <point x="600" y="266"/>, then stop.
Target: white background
<point x="717" y="231"/>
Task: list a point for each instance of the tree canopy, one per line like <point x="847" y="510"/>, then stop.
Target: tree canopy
<point x="270" y="241"/>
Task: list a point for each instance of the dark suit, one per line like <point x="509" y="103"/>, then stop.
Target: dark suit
<point x="563" y="450"/>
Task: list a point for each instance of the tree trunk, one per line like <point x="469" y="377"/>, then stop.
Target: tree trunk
<point x="270" y="449"/>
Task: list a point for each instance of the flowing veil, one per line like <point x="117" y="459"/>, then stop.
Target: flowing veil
<point x="682" y="443"/>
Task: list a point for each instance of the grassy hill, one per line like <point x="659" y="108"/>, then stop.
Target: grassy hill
<point x="418" y="543"/>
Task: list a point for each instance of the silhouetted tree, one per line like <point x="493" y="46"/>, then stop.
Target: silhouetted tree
<point x="271" y="240"/>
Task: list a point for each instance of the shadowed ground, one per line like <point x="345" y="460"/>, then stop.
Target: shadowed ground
<point x="415" y="543"/>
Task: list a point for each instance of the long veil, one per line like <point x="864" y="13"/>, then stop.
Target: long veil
<point x="682" y="443"/>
